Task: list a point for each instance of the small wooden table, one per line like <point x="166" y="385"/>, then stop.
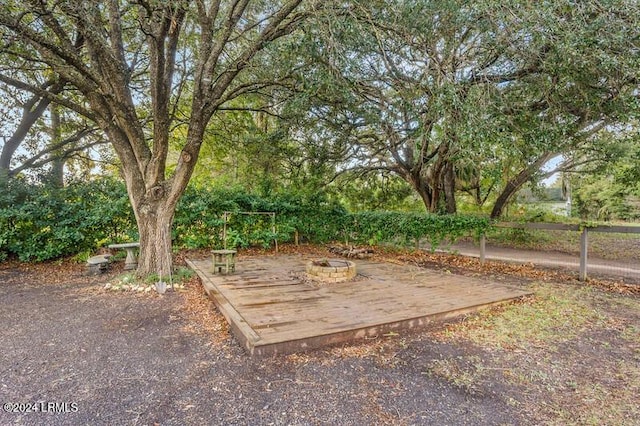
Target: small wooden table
<point x="224" y="259"/>
<point x="131" y="262"/>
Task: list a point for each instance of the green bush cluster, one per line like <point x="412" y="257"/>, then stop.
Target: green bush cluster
<point x="407" y="228"/>
<point x="39" y="223"/>
<point x="199" y="219"/>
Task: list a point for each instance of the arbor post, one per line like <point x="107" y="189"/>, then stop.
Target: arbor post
<point x="273" y="230"/>
<point x="224" y="231"/>
<point x="483" y="242"/>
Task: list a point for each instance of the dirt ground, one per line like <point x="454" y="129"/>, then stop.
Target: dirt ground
<point x="80" y="354"/>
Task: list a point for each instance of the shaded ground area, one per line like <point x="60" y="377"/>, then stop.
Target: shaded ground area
<point x="130" y="358"/>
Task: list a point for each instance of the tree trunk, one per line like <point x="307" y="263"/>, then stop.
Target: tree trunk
<point x="516" y="183"/>
<point x="31" y="113"/>
<point x="435" y="199"/>
<point x="426" y="194"/>
<point x="449" y="183"/>
<point x="154" y="225"/>
<point x="56" y="177"/>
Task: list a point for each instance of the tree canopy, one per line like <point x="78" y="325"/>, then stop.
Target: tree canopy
<point x="457" y="99"/>
<point x="145" y="72"/>
<point x="456" y="96"/>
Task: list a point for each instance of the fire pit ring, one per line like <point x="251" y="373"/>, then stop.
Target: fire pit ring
<point x="331" y="270"/>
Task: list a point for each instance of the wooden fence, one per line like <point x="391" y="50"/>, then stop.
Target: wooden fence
<point x="584" y="236"/>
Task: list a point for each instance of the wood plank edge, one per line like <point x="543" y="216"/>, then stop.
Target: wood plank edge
<point x="245" y="335"/>
<point x="265" y="349"/>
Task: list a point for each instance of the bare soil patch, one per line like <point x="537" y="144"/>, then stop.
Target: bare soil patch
<point x="569" y="355"/>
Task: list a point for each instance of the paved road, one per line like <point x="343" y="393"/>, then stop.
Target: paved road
<point x="601" y="267"/>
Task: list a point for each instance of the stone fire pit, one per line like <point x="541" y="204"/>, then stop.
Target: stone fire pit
<point x="331" y="270"/>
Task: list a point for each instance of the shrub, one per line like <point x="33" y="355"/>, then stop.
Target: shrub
<point x="40" y="223"/>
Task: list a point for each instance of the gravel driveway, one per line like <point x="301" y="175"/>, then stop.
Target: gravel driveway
<point x="81" y="355"/>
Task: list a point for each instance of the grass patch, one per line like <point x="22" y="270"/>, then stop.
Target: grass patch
<point x="463" y="374"/>
<point x="612" y="246"/>
<point x="632" y="334"/>
<point x="521" y="238"/>
<point x="552" y="316"/>
<point x="571" y="353"/>
<point x="598" y="403"/>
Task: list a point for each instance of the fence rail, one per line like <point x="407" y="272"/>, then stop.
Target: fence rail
<point x="584" y="236"/>
<point x="618" y="229"/>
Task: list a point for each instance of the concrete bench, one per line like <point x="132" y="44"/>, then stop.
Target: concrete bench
<point x="98" y="264"/>
<point x="131" y="262"/>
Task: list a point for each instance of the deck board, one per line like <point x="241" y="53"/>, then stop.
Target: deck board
<point x="271" y="309"/>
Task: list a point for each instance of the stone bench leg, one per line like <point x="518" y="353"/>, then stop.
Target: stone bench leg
<point x="98" y="264"/>
<point x="131" y="262"/>
<point x="97" y="269"/>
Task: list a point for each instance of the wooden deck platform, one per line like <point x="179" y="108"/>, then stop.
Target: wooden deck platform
<point x="272" y="308"/>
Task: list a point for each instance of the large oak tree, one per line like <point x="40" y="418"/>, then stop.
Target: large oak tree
<point x="477" y="96"/>
<point x="134" y="65"/>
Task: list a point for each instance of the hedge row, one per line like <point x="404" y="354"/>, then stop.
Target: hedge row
<point x="40" y="223"/>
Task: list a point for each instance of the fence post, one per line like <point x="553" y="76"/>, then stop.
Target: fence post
<point x="483" y="240"/>
<point x="584" y="248"/>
